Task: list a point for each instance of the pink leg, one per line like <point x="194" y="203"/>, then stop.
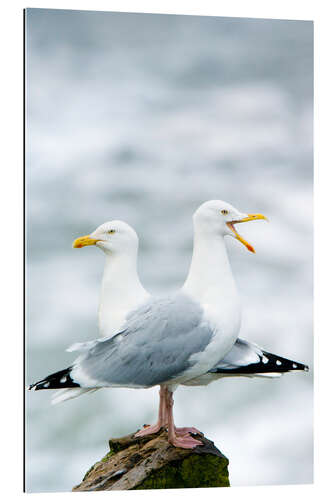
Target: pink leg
<point x="180" y="441"/>
<point x="161" y="422"/>
<point x="181" y="431"/>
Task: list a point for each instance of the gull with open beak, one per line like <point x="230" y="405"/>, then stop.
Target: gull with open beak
<point x="179" y="339"/>
<point x="246" y="218"/>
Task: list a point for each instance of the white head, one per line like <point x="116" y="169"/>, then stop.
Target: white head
<point x="219" y="217"/>
<point x="114" y="237"/>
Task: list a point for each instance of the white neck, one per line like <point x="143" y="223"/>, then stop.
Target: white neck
<point x="121" y="292"/>
<point x="211" y="283"/>
<point x="210" y="273"/>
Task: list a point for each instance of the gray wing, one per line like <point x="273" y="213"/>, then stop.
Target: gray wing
<point x="242" y="354"/>
<point x="248" y="360"/>
<point x="155" y="346"/>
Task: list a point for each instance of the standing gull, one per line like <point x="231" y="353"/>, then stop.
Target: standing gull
<point x="121" y="290"/>
<point x="176" y="339"/>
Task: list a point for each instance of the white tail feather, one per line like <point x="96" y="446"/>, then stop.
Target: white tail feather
<point x="66" y="394"/>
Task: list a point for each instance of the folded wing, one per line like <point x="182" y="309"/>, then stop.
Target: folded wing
<point x="248" y="360"/>
<point x="155" y="346"/>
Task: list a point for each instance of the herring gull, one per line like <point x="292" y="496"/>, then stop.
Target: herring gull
<point x="177" y="339"/>
<point x="121" y="290"/>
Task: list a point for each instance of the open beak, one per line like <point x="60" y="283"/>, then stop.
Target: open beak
<point x="84" y="241"/>
<point x="248" y="218"/>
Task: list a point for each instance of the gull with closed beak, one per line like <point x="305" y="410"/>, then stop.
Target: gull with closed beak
<point x="189" y="337"/>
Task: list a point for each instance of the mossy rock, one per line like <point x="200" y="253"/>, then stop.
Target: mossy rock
<point x="152" y="463"/>
<point x="196" y="471"/>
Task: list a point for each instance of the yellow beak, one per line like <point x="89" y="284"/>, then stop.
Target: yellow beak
<point x="84" y="241"/>
<point x="249" y="218"/>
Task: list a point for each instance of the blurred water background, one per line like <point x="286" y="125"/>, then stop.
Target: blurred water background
<point x="142" y="118"/>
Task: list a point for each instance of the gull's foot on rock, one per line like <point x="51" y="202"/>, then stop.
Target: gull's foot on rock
<point x="148" y="429"/>
<point x="185" y="442"/>
<point x="182" y="431"/>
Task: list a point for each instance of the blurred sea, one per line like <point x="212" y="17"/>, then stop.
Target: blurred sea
<point x="142" y="118"/>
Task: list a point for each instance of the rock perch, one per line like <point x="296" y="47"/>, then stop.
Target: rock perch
<point x="143" y="463"/>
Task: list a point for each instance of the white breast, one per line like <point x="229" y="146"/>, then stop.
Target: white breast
<point x="224" y="319"/>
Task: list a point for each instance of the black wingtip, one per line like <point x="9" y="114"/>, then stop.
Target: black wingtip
<point x="58" y="380"/>
<point x="268" y="363"/>
<point x="295" y="366"/>
<point x="280" y="364"/>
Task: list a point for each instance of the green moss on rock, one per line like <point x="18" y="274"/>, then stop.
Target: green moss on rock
<point x="196" y="471"/>
<point x="115" y="447"/>
<point x="150" y="462"/>
<point x="88" y="472"/>
<point x="107" y="456"/>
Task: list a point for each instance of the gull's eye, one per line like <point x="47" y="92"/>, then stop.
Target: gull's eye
<point x="224" y="212"/>
<point x="112" y="231"/>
